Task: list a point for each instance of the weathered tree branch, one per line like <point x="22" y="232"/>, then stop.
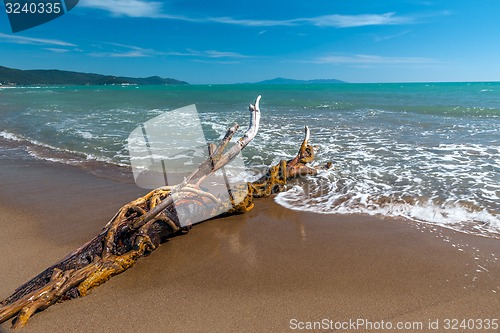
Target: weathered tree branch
<point x="140" y="226"/>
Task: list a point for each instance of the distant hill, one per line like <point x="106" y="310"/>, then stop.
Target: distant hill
<point x="280" y="80"/>
<point x="10" y="76"/>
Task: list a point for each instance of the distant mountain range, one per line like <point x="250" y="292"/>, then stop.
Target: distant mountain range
<point x="11" y="76"/>
<point x="280" y="80"/>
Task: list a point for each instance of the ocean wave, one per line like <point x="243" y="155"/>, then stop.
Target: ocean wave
<point x="327" y="194"/>
<point x="11" y="136"/>
<point x="43" y="151"/>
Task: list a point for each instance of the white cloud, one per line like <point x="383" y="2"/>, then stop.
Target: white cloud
<point x="130" y="54"/>
<point x="207" y="54"/>
<point x="131" y="51"/>
<point x="126" y="46"/>
<point x="35" y="41"/>
<point x="154" y="9"/>
<point x="221" y="54"/>
<point x="131" y="8"/>
<point x="56" y="50"/>
<point x="251" y="23"/>
<point x="126" y="54"/>
<point x="125" y="51"/>
<point x="335" y="20"/>
<point x="363" y="59"/>
<point x="387" y="37"/>
<point x="349" y="21"/>
<point x="134" y="8"/>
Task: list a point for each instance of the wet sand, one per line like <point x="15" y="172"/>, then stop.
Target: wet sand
<point x="270" y="270"/>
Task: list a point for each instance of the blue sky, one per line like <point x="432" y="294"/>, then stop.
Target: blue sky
<point x="227" y="41"/>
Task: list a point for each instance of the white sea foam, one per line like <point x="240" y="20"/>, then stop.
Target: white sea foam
<point x="47" y="152"/>
<point x="387" y="172"/>
<point x="11" y="136"/>
<point x="451" y="216"/>
<point x="84" y="134"/>
<point x="39" y="156"/>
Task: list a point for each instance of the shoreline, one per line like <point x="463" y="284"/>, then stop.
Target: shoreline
<point x="247" y="273"/>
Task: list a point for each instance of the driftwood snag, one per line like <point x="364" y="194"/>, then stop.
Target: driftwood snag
<point x="140" y="226"/>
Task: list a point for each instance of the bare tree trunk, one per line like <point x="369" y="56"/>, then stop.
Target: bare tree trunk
<point x="140" y="226"/>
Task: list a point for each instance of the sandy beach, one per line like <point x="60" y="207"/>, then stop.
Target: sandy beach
<point x="270" y="270"/>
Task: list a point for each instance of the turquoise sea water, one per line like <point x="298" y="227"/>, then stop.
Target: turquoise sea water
<point x="429" y="152"/>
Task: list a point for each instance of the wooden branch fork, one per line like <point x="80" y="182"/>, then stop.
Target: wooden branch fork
<point x="140" y="226"/>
